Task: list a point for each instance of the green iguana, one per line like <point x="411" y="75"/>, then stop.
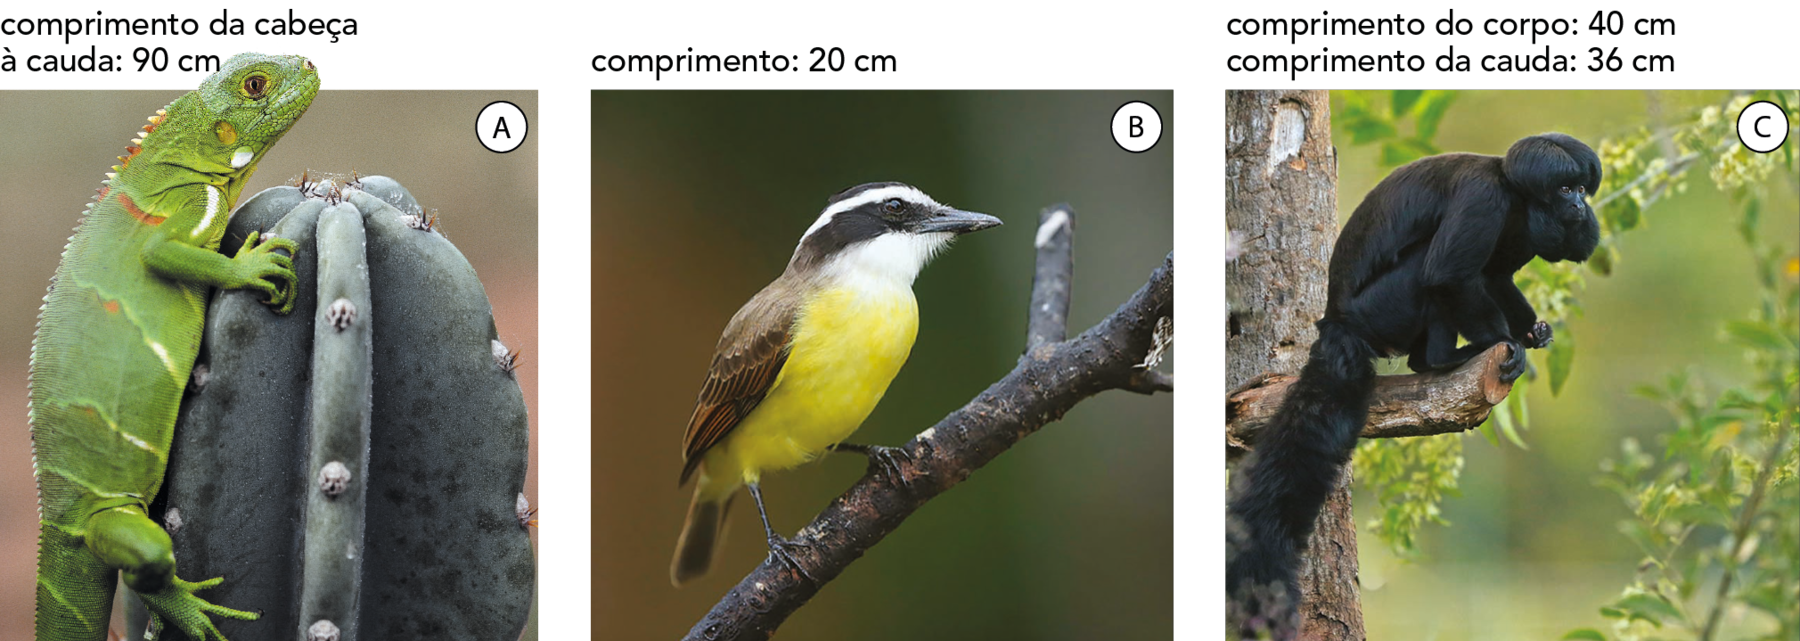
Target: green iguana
<point x="118" y="335"/>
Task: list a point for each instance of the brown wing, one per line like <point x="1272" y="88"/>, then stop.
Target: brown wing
<point x="750" y="354"/>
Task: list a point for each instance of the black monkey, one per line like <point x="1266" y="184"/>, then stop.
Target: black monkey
<point x="1427" y="256"/>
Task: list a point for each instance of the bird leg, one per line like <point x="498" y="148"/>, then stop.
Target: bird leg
<point x="779" y="548"/>
<point x="885" y="459"/>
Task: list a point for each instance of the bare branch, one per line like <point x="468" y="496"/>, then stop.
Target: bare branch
<point x="1049" y="314"/>
<point x="1406" y="405"/>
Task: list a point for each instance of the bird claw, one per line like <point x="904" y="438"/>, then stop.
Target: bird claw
<point x="782" y="550"/>
<point x="886" y="460"/>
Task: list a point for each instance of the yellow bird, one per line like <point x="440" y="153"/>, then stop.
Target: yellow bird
<point x="805" y="361"/>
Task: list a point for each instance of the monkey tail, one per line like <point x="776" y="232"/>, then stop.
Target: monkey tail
<point x="1282" y="486"/>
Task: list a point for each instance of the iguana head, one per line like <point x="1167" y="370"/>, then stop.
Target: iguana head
<point x="223" y="128"/>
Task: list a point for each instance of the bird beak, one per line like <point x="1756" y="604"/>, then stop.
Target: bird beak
<point x="957" y="221"/>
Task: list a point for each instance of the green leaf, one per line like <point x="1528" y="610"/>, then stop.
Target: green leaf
<point x="1584" y="634"/>
<point x="1400" y="152"/>
<point x="1486" y="428"/>
<point x="1627" y="214"/>
<point x="1650" y="606"/>
<point x="1561" y="359"/>
<point x="1751" y="219"/>
<point x="1757" y="335"/>
<point x="1432" y="107"/>
<point x="1368" y="128"/>
<point x="1404" y="99"/>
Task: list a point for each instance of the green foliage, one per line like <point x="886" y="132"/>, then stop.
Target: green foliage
<point x="1411" y="476"/>
<point x="1377" y="117"/>
<point x="1510" y="417"/>
<point x="1717" y="514"/>
<point x="1550" y="287"/>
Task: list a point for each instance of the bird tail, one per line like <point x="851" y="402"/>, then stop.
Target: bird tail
<point x="704" y="530"/>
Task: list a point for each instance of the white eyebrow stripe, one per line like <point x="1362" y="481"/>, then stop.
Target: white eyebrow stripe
<point x="903" y="192"/>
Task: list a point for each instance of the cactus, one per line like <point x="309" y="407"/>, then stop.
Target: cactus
<point x="355" y="469"/>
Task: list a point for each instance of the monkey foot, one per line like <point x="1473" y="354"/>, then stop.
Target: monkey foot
<point x="1540" y="336"/>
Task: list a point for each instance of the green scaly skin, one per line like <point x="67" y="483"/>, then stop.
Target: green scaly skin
<point x="118" y="335"/>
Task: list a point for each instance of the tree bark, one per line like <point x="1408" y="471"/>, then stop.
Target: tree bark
<point x="1281" y="196"/>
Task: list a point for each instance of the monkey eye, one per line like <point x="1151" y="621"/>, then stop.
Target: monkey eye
<point x="1581" y="189"/>
<point x="893" y="206"/>
<point x="1565" y="190"/>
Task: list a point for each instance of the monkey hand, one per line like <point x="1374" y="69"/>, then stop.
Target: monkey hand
<point x="1514" y="365"/>
<point x="1540" y="336"/>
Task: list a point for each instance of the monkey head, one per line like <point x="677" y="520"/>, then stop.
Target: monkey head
<point x="1553" y="175"/>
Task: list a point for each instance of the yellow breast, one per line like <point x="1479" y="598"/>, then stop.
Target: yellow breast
<point x="848" y="344"/>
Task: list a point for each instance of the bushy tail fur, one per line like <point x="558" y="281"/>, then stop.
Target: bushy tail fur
<point x="1281" y="487"/>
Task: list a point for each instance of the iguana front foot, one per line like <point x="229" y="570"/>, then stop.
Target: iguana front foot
<point x="259" y="266"/>
<point x="177" y="604"/>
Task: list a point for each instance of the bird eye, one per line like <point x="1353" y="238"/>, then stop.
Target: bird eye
<point x="255" y="85"/>
<point x="893" y="206"/>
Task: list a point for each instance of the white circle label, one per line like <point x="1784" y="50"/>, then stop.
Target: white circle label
<point x="1762" y="126"/>
<point x="1136" y="126"/>
<point x="501" y="127"/>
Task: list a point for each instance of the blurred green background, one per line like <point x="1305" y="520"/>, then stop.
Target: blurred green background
<point x="698" y="200"/>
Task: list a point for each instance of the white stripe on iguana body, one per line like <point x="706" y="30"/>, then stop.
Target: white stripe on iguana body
<point x="212" y="209"/>
<point x="163" y="353"/>
<point x="136" y="441"/>
<point x="241" y="158"/>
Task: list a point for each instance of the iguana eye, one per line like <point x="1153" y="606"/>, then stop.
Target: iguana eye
<point x="255" y="85"/>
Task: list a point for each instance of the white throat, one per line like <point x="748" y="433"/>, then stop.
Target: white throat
<point x="889" y="260"/>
